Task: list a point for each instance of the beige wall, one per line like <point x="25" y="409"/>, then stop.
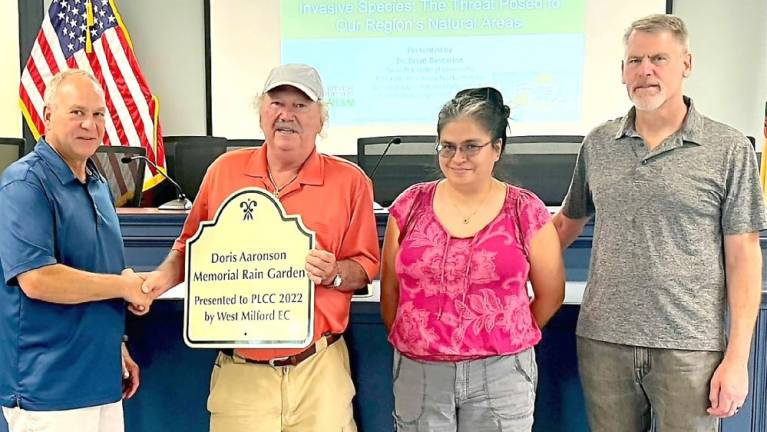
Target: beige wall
<point x="729" y="45"/>
<point x="169" y="41"/>
<point x="10" y="115"/>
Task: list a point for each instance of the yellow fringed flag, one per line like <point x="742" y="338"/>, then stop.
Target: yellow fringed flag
<point x="763" y="167"/>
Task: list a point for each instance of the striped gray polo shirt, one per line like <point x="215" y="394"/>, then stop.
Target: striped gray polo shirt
<point x="657" y="274"/>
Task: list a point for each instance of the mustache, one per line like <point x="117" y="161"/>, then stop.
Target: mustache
<point x="286" y="126"/>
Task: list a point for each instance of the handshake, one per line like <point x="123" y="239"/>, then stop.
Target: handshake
<point x="141" y="289"/>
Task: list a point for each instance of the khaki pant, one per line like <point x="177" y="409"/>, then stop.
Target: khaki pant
<point x="315" y="396"/>
<point x="100" y="418"/>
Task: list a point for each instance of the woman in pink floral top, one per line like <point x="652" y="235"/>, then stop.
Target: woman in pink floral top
<point x="458" y="254"/>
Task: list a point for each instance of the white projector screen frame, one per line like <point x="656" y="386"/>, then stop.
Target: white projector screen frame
<point x="245" y="43"/>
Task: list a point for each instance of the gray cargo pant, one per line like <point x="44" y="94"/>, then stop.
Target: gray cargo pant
<point x="491" y="394"/>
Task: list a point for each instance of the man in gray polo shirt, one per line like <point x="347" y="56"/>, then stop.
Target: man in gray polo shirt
<point x="678" y="208"/>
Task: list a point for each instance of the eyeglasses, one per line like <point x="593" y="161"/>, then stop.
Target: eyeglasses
<point x="468" y="150"/>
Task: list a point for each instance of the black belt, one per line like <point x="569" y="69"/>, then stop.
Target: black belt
<point x="289" y="360"/>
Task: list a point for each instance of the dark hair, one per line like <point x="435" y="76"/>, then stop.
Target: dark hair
<point x="483" y="104"/>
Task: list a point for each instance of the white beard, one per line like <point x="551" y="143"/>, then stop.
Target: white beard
<point x="649" y="103"/>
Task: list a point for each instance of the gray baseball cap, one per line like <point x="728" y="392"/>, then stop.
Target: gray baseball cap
<point x="300" y="76"/>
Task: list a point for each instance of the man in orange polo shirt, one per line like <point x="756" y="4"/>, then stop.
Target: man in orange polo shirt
<point x="301" y="390"/>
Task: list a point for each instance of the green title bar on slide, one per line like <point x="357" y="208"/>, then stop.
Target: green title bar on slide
<point x="304" y="19"/>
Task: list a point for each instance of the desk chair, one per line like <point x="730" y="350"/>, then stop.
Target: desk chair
<point x="234" y="144"/>
<point x="126" y="180"/>
<point x="188" y="158"/>
<point x="542" y="164"/>
<point x="411" y="161"/>
<point x="11" y="150"/>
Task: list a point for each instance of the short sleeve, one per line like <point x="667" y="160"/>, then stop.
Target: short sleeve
<point x="743" y="210"/>
<point x="26" y="230"/>
<point x="402" y="206"/>
<point x="578" y="203"/>
<point x="197" y="214"/>
<point x="533" y="215"/>
<point x="360" y="243"/>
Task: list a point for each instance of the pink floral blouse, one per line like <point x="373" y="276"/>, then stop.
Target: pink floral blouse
<point x="464" y="298"/>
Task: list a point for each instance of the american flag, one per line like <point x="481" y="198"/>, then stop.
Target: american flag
<point x="89" y="35"/>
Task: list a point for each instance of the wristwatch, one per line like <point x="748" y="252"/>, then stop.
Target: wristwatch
<point x="337" y="281"/>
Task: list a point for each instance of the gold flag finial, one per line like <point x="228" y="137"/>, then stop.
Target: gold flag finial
<point x="89" y="26"/>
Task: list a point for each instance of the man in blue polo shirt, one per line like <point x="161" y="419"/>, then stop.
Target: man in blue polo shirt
<point x="64" y="282"/>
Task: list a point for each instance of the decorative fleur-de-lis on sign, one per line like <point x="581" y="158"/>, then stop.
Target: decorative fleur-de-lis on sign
<point x="248" y="207"/>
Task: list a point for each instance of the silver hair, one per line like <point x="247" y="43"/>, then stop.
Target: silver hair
<point x="659" y="23"/>
<point x="52" y="90"/>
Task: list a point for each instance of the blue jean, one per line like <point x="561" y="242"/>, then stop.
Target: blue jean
<point x="491" y="394"/>
<point x="627" y="387"/>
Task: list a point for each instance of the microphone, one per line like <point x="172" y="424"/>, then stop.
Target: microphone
<point x="395" y="140"/>
<point x="181" y="202"/>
